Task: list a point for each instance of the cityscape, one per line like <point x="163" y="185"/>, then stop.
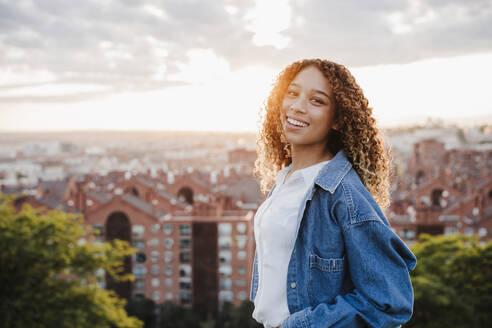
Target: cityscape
<point x="186" y="200"/>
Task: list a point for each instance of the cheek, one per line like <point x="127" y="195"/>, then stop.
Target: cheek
<point x="285" y="105"/>
<point x="324" y="119"/>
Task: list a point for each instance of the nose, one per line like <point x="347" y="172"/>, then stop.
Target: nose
<point x="298" y="107"/>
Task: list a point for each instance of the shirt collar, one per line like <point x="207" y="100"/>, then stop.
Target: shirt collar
<point x="308" y="174"/>
<point x="331" y="174"/>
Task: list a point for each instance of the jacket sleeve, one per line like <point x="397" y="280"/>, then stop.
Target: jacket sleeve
<point x="378" y="262"/>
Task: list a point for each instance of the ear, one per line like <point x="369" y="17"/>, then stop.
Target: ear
<point x="336" y="127"/>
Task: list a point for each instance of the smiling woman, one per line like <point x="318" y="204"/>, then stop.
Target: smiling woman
<point x="325" y="253"/>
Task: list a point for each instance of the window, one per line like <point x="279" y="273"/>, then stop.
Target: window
<point x="184" y="257"/>
<point x="225" y="270"/>
<point x="169" y="296"/>
<point x="139" y="244"/>
<point x="186" y="285"/>
<point x="138" y="230"/>
<point x="242" y="295"/>
<point x="156" y="227"/>
<point x="407" y="234"/>
<point x="168" y="228"/>
<point x="241" y="227"/>
<point x="469" y="231"/>
<point x="154" y="256"/>
<point x="139" y="271"/>
<point x="240" y="282"/>
<point x="169" y="270"/>
<point x="241" y="241"/>
<point x="225" y="242"/>
<point x="225" y="296"/>
<point x="155" y="282"/>
<point x="169" y="243"/>
<point x="225" y="283"/>
<point x="153" y="242"/>
<point x="241" y="255"/>
<point x="156" y="295"/>
<point x="155" y="270"/>
<point x="184" y="243"/>
<point x="184" y="229"/>
<point x="225" y="229"/>
<point x="139" y="284"/>
<point x="140" y="257"/>
<point x="185" y="270"/>
<point x="241" y="269"/>
<point x="185" y="297"/>
<point x="169" y="282"/>
<point x="168" y="256"/>
<point x="450" y="230"/>
<point x="482" y="232"/>
<point x="225" y="256"/>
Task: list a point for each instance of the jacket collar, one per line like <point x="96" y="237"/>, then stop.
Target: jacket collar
<point x="330" y="175"/>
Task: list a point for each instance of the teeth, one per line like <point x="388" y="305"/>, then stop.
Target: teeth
<point x="294" y="122"/>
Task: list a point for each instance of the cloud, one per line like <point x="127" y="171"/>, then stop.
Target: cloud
<point x="137" y="45"/>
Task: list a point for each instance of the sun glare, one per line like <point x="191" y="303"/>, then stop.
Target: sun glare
<point x="267" y="20"/>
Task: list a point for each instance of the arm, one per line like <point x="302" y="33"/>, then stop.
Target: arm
<point x="378" y="264"/>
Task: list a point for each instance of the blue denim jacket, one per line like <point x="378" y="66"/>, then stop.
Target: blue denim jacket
<point x="347" y="267"/>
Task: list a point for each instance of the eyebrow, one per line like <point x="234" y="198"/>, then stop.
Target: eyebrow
<point x="315" y="90"/>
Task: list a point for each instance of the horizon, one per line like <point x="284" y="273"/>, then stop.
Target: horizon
<point x="425" y="122"/>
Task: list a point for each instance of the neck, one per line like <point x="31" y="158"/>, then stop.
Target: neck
<point x="304" y="156"/>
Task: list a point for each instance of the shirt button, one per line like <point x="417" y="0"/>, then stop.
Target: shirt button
<point x="293" y="285"/>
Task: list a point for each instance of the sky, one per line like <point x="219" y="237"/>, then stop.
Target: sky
<point x="208" y="65"/>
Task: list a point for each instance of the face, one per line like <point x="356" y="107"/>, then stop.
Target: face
<point x="308" y="108"/>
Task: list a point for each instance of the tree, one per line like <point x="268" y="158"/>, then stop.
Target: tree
<point x="49" y="275"/>
<point x="224" y="315"/>
<point x="242" y="317"/>
<point x="144" y="309"/>
<point x="452" y="282"/>
<point x="177" y="316"/>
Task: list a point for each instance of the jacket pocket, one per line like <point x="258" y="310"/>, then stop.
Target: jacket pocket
<point x="329" y="265"/>
<point x="326" y="276"/>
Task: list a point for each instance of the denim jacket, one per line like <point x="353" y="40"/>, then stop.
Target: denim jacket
<point x="347" y="267"/>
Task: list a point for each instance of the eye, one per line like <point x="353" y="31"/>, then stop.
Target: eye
<point x="291" y="93"/>
<point x="318" y="101"/>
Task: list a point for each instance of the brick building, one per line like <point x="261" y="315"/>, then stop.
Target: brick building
<point x="443" y="192"/>
<point x="194" y="230"/>
<point x="194" y="238"/>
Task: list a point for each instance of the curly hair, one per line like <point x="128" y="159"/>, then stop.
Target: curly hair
<point x="356" y="134"/>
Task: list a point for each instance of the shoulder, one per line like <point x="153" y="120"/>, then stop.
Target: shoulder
<point x="352" y="203"/>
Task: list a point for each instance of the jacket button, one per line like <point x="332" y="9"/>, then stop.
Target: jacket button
<point x="293" y="285"/>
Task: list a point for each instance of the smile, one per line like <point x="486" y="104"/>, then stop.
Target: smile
<point x="296" y="122"/>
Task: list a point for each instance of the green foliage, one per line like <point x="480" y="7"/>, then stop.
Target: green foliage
<point x="144" y="309"/>
<point x="242" y="317"/>
<point x="177" y="316"/>
<point x="452" y="282"/>
<point x="224" y="316"/>
<point x="48" y="274"/>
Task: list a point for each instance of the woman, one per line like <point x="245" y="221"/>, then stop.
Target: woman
<point x="325" y="253"/>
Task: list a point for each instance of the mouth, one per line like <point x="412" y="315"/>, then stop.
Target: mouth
<point x="296" y="123"/>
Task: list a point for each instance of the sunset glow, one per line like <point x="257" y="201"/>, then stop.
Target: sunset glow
<point x="210" y="66"/>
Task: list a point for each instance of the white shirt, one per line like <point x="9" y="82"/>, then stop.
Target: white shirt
<point x="275" y="226"/>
